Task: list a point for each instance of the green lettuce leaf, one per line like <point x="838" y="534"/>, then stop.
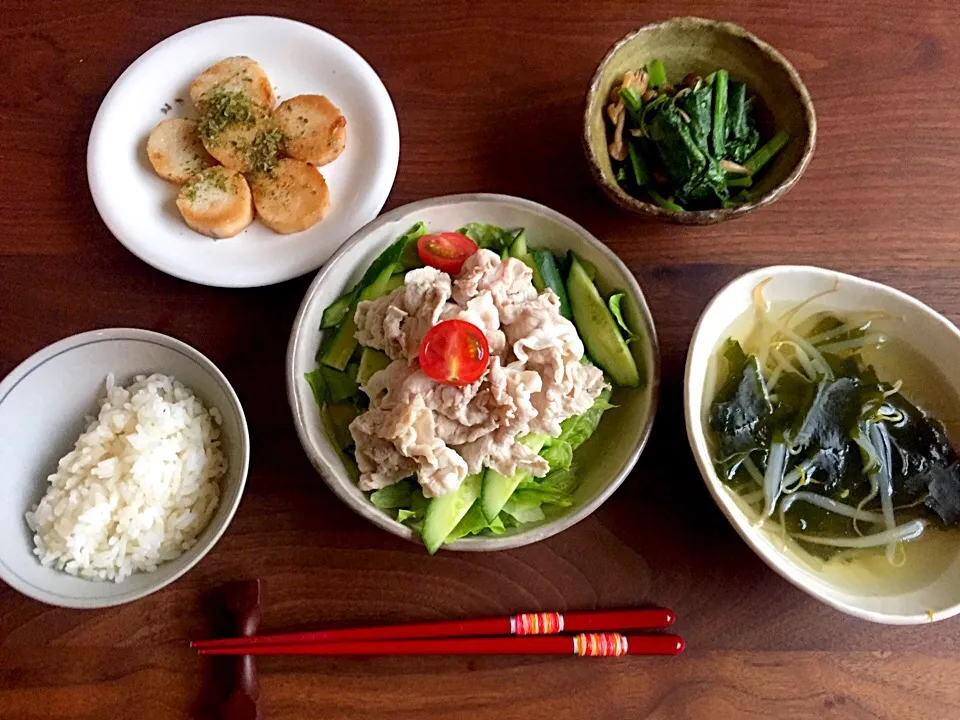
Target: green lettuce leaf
<point x="404" y="515"/>
<point x="410" y="257"/>
<point x="577" y="429"/>
<point x="563" y="483"/>
<point x="559" y="454"/>
<point x="524" y="509"/>
<point x="399" y="495"/>
<point x="489" y="237"/>
<point x="614" y="303"/>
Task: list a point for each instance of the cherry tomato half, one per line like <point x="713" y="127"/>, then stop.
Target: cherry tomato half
<point x="445" y="251"/>
<point x="454" y="352"/>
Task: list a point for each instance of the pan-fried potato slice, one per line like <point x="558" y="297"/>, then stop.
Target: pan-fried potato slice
<point x="248" y="142"/>
<point x="291" y="198"/>
<point x="314" y="128"/>
<point x="175" y="150"/>
<point x="234" y="74"/>
<point x="216" y="202"/>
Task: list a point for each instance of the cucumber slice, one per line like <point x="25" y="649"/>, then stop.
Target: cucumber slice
<point x="371" y="362"/>
<point x="519" y="251"/>
<point x="395" y="281"/>
<point x="341" y="349"/>
<point x="546" y="266"/>
<point x="519" y="246"/>
<point x="598" y="329"/>
<point x="335" y="434"/>
<point x="498" y="488"/>
<point x="341" y="384"/>
<point x="445" y="512"/>
<point x="336" y="312"/>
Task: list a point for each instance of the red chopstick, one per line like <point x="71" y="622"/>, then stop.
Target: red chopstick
<point x="583" y="645"/>
<point x="523" y="624"/>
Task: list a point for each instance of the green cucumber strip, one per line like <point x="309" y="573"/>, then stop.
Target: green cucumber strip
<point x="371" y="362"/>
<point x="598" y="328"/>
<point x="341" y="384"/>
<point x="518" y="248"/>
<point x="445" y="512"/>
<point x="341" y="349"/>
<point x="498" y="488"/>
<point x="336" y="312"/>
<point x="546" y="267"/>
<point x="396" y="281"/>
<point x="333" y="434"/>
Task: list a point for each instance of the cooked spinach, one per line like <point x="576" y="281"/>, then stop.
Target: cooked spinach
<point x="685" y="147"/>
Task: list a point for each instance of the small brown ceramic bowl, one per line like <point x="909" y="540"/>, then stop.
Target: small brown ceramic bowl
<point x="698" y="45"/>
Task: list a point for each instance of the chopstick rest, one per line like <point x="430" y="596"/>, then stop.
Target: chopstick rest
<point x="242" y="600"/>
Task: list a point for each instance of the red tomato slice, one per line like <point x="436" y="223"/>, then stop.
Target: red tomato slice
<point x="445" y="251"/>
<point x="454" y="352"/>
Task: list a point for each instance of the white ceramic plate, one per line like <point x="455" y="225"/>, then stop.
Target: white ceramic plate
<point x="43" y="403"/>
<point x="139" y="207"/>
<point x="604" y="460"/>
<point x="921" y="592"/>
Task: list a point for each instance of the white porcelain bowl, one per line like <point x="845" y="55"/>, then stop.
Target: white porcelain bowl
<point x="890" y="599"/>
<point x="605" y="460"/>
<point x="43" y="404"/>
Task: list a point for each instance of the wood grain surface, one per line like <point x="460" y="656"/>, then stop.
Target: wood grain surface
<point x="489" y="97"/>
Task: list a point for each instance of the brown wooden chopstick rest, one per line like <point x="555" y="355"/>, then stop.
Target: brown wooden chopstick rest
<point x="242" y="601"/>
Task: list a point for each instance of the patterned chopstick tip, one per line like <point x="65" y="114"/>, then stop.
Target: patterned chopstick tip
<point x="536" y="624"/>
<point x="600" y="645"/>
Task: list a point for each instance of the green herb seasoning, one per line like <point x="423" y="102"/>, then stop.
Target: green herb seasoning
<point x="265" y="151"/>
<point x="214" y="178"/>
<point x="223" y="109"/>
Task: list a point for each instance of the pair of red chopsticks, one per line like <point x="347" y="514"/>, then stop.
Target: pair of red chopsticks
<point x="592" y="634"/>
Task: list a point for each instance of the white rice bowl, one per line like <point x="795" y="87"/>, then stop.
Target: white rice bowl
<point x="139" y="486"/>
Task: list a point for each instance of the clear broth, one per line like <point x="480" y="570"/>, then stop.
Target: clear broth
<point x="866" y="571"/>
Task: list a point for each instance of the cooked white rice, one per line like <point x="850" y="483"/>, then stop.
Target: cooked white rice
<point x="139" y="486"/>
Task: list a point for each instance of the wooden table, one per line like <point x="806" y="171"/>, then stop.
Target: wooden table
<point x="489" y="97"/>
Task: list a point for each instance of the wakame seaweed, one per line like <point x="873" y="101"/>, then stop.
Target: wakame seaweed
<point x="691" y="146"/>
<point x="819" y="442"/>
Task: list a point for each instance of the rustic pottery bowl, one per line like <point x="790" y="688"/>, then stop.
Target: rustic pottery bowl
<point x="698" y="45"/>
<point x="604" y="460"/>
<point x="927" y="587"/>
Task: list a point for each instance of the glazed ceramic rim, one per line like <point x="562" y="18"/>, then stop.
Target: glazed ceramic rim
<point x="73" y="342"/>
<point x="302" y="333"/>
<point x="700" y="217"/>
<point x="380" y="184"/>
<point x="774" y="559"/>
